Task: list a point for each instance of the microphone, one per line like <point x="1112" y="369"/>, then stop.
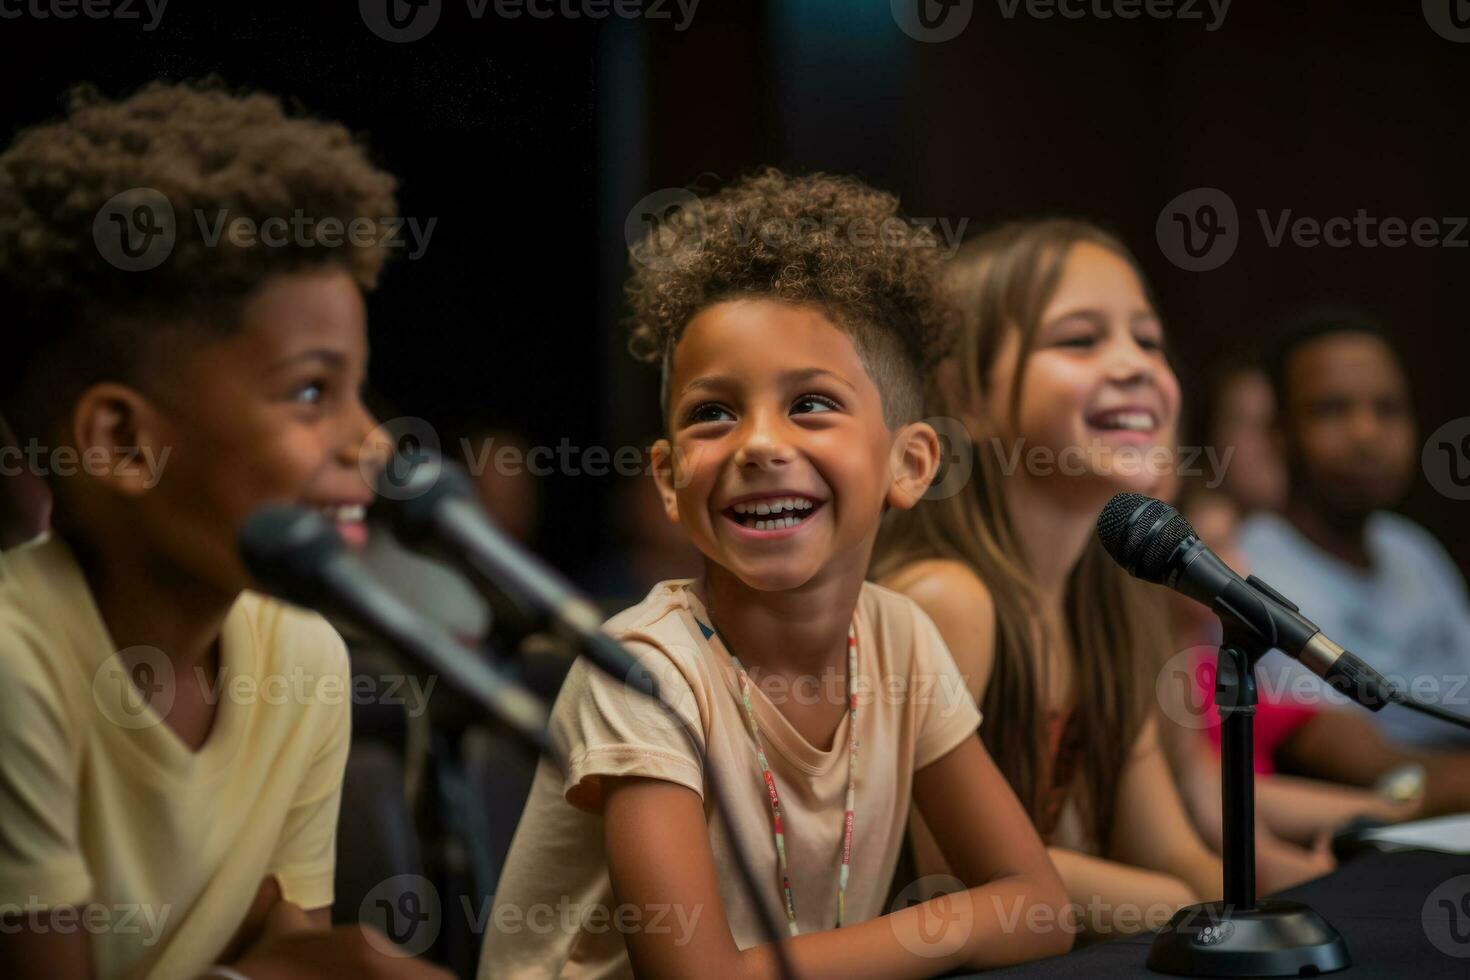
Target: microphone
<point x="296" y="554"/>
<point x="433" y="503"/>
<point x="1153" y="541"/>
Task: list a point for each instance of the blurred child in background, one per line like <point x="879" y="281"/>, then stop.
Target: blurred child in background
<point x="1061" y="382"/>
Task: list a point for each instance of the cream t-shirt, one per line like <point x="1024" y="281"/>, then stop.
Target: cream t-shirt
<point x="554" y="913"/>
<point x="158" y="849"/>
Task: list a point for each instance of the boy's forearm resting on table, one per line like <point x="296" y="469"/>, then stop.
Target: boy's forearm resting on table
<point x="1007" y="921"/>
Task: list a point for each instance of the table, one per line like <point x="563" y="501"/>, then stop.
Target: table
<point x="1379" y="902"/>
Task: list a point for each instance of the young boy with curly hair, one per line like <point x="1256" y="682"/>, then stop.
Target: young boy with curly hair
<point x="793" y="319"/>
<point x="164" y="812"/>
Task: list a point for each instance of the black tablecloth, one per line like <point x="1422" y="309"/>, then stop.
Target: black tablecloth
<point x="1378" y="903"/>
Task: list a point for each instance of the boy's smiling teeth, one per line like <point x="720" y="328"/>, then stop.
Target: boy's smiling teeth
<point x="344" y="513"/>
<point x="1137" y="421"/>
<point x="772" y="513"/>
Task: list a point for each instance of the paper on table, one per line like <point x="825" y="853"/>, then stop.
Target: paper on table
<point x="1449" y="834"/>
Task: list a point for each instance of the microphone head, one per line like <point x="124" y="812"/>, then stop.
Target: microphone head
<point x="1141" y="534"/>
<point x="285" y="548"/>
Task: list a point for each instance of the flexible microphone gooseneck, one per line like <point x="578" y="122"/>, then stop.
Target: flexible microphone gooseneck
<point x="1154" y="542"/>
<point x="296" y="555"/>
<point x="431" y="502"/>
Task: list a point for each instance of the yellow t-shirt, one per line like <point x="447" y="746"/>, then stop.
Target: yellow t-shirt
<point x="554" y="913"/>
<point x="158" y="848"/>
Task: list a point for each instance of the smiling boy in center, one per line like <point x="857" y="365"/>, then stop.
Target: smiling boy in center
<point x="792" y="385"/>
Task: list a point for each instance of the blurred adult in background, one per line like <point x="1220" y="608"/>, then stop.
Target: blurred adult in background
<point x="503" y="466"/>
<point x="1374" y="580"/>
<point x="647" y="547"/>
<point x="1238" y="418"/>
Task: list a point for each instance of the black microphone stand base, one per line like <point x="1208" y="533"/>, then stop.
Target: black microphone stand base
<point x="1273" y="939"/>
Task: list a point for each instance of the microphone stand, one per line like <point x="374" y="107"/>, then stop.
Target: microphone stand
<point x="1239" y="936"/>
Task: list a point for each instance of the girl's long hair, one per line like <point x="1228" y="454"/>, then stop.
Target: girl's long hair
<point x="1003" y="281"/>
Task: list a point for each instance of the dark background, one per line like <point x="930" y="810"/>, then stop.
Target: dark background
<point x="530" y="139"/>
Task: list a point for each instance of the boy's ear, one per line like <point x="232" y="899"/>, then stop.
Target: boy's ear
<point x="912" y="464"/>
<point x="114" y="428"/>
<point x="664" y="463"/>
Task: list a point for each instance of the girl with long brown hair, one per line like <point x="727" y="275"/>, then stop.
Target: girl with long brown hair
<point x="1060" y="388"/>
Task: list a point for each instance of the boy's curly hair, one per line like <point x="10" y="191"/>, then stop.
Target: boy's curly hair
<point x="829" y="241"/>
<point x="72" y="317"/>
